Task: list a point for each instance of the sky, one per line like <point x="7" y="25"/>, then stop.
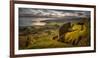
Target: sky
<point x="33" y="16"/>
<point x="51" y="12"/>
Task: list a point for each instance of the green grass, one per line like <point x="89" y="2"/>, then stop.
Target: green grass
<point x="42" y="37"/>
<point x="47" y="43"/>
<point x="42" y="40"/>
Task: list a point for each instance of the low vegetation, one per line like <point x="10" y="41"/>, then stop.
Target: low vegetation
<point x="36" y="37"/>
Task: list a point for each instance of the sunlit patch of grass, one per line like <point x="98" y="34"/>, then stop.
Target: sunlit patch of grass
<point x="81" y="35"/>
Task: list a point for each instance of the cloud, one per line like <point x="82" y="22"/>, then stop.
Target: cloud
<point x="48" y="13"/>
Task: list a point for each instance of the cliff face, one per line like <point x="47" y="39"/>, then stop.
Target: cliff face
<point x="79" y="34"/>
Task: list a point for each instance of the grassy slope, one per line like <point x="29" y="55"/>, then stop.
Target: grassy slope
<point x="44" y="39"/>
